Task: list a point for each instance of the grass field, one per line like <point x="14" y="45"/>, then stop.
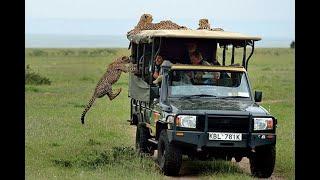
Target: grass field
<point x="58" y="146"/>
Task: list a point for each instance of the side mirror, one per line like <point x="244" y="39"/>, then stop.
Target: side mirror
<point x="257" y="96"/>
<point x="154" y="92"/>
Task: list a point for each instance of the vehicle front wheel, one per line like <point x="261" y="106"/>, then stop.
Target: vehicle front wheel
<point x="262" y="161"/>
<point x="169" y="156"/>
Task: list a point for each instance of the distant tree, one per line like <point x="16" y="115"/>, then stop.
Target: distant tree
<point x="292" y="45"/>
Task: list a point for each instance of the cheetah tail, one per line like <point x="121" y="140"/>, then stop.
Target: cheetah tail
<point x="87" y="108"/>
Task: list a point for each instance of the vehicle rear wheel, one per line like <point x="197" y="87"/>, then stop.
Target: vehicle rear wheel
<point x="262" y="161"/>
<point x="169" y="156"/>
<point x="142" y="135"/>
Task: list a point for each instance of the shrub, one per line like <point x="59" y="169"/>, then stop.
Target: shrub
<point x="63" y="163"/>
<point x="292" y="45"/>
<point x="34" y="78"/>
<point x="38" y="52"/>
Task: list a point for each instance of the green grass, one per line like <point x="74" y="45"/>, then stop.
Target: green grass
<point x="58" y="146"/>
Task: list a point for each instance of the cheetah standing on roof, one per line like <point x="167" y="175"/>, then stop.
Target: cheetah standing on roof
<point x="104" y="86"/>
<point x="145" y="20"/>
<point x="145" y="23"/>
<point x="204" y="24"/>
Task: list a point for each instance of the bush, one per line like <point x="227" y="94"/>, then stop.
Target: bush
<point x="292" y="45"/>
<point x="38" y="52"/>
<point x="34" y="78"/>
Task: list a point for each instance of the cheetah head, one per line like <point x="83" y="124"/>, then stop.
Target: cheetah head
<point x="204" y="23"/>
<point x="146" y="18"/>
<point x="124" y="59"/>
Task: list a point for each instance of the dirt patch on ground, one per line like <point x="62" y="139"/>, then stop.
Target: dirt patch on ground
<point x="244" y="164"/>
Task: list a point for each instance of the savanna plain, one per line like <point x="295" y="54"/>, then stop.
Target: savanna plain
<point x="58" y="146"/>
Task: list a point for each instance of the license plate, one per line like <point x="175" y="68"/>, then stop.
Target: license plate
<point x="225" y="136"/>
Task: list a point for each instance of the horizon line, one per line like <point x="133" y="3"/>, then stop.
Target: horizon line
<point x="97" y="34"/>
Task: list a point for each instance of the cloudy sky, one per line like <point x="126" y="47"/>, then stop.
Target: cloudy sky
<point x="266" y="18"/>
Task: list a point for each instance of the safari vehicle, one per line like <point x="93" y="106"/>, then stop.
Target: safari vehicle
<point x="206" y="112"/>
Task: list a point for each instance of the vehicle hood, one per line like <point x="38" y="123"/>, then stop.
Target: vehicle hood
<point x="207" y="105"/>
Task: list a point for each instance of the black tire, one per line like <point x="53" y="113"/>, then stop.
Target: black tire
<point x="142" y="136"/>
<point x="238" y="158"/>
<point x="169" y="156"/>
<point x="262" y="161"/>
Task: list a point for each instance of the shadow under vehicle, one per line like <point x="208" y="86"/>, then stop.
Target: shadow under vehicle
<point x="203" y="111"/>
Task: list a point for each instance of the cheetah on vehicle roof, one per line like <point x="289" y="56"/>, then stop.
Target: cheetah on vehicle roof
<point x="145" y="23"/>
<point x="145" y="19"/>
<point x="204" y="24"/>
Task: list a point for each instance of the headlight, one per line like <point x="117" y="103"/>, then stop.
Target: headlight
<point x="186" y="121"/>
<point x="262" y="124"/>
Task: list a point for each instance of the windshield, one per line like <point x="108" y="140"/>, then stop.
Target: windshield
<point x="200" y="83"/>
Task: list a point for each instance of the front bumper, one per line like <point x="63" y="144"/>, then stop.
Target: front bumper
<point x="201" y="140"/>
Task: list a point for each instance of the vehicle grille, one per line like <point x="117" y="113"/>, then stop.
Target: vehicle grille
<point x="237" y="124"/>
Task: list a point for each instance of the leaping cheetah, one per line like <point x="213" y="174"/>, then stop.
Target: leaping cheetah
<point x="104" y="86"/>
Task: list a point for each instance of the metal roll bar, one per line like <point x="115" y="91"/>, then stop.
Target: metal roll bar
<point x="224" y="55"/>
<point x="232" y="57"/>
<point x="252" y="49"/>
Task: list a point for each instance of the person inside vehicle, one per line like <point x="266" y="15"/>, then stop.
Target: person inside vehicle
<point x="191" y="47"/>
<point x="158" y="62"/>
<point x="196" y="59"/>
<point x="157" y="71"/>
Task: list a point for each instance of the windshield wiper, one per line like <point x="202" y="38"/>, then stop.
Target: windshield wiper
<point x="197" y="95"/>
<point x="224" y="97"/>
